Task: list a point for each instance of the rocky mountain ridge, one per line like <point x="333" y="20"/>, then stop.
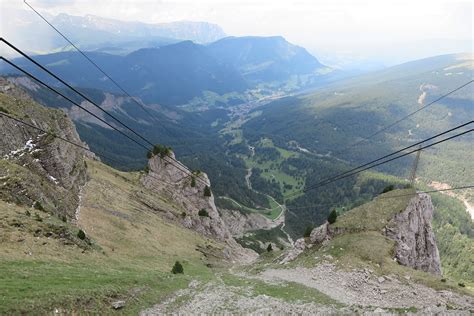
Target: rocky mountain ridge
<point x="188" y="191"/>
<point x="410" y="229"/>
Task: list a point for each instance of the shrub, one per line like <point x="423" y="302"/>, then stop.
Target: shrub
<point x="269" y="248"/>
<point x="64" y="218"/>
<point x="183" y="214"/>
<point x="388" y="188"/>
<point x="443" y="280"/>
<point x="27" y="213"/>
<point x="2" y="109"/>
<point x="203" y="212"/>
<point x="207" y="191"/>
<point x="461" y="284"/>
<point x="193" y="182"/>
<point x="308" y="230"/>
<point x="160" y="150"/>
<point x="81" y="234"/>
<point x="332" y="217"/>
<point x="37" y="205"/>
<point x="146" y="169"/>
<point x="177" y="268"/>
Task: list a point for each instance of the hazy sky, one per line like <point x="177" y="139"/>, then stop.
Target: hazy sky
<point x="365" y="28"/>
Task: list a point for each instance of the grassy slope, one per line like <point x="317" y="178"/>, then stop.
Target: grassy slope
<point x="365" y="246"/>
<point x="131" y="257"/>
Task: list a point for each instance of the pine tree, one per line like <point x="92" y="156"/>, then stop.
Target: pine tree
<point x="269" y="248"/>
<point x="207" y="191"/>
<point x="81" y="235"/>
<point x="177" y="268"/>
<point x="332" y="217"/>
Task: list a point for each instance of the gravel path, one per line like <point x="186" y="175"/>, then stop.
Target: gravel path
<point x="362" y="287"/>
<point x="362" y="293"/>
<point x="228" y="300"/>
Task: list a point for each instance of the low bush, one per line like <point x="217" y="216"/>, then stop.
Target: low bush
<point x="81" y="234"/>
<point x="207" y="191"/>
<point x="388" y="188"/>
<point x="177" y="268"/>
<point x="203" y="212"/>
<point x="269" y="248"/>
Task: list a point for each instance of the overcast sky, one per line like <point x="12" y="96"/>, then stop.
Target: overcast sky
<point x="367" y="28"/>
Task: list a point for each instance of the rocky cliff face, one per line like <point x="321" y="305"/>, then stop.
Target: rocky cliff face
<point x="178" y="185"/>
<point x="415" y="241"/>
<point x="36" y="168"/>
<point x="415" y="244"/>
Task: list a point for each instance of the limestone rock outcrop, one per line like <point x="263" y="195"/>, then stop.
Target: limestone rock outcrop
<point x="415" y="241"/>
<point x="37" y="168"/>
<point x="170" y="179"/>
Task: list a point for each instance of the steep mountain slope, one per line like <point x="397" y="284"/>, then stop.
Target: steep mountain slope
<point x="37" y="168"/>
<point x="329" y="121"/>
<point x="262" y="59"/>
<point x="172" y="74"/>
<point x="77" y="235"/>
<point x="233" y="70"/>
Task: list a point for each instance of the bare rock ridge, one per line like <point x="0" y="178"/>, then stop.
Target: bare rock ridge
<point x="39" y="169"/>
<point x="178" y="185"/>
<point x="415" y="243"/>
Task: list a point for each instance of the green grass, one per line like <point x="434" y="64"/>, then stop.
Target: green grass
<point x="85" y="287"/>
<point x="272" y="213"/>
<point x="375" y="215"/>
<point x="131" y="258"/>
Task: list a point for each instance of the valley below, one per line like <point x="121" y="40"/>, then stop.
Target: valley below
<point x="230" y="175"/>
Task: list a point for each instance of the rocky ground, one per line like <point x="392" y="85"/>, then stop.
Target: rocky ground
<point x="358" y="291"/>
<point x="218" y="298"/>
<point x="362" y="287"/>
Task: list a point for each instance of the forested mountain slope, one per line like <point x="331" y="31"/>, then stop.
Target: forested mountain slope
<point x="178" y="73"/>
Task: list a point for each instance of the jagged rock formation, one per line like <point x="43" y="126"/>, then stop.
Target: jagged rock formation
<point x="37" y="168"/>
<point x="178" y="185"/>
<point x="415" y="241"/>
<point x="415" y="244"/>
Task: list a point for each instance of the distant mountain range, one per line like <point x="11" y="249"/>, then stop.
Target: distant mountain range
<point x="174" y="74"/>
<point x="93" y="32"/>
<point x="104" y="29"/>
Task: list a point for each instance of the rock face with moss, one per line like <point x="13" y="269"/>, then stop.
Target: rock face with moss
<point x="37" y="168"/>
<point x="415" y="241"/>
<point x="170" y="179"/>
